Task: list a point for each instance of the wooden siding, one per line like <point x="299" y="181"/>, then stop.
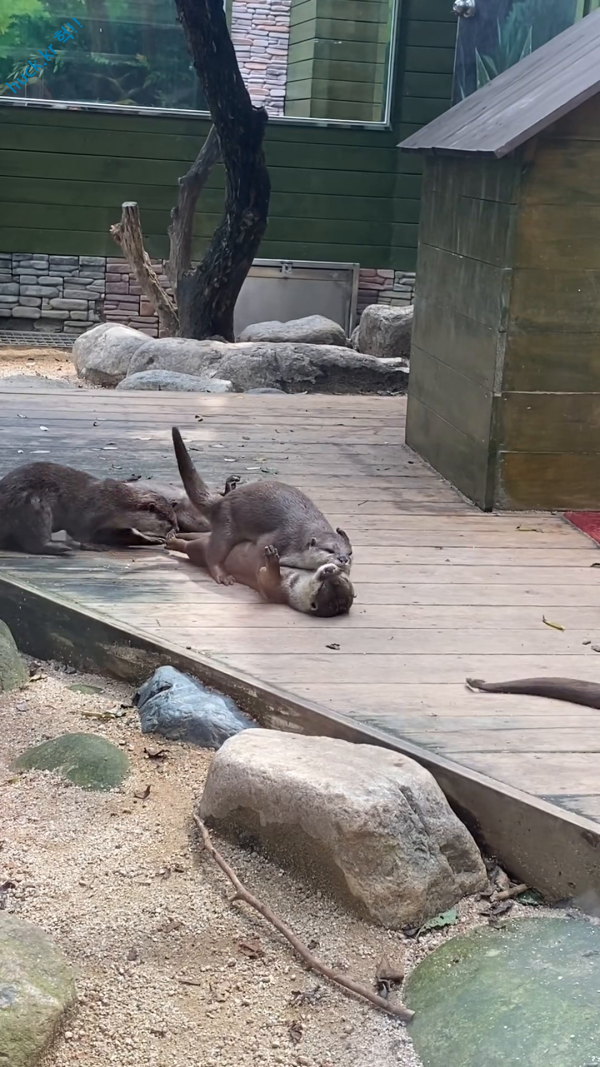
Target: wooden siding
<point x="338" y="194"/>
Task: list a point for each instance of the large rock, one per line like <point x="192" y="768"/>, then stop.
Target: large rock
<point x="181" y="708"/>
<point x="294" y="368"/>
<point x="527" y="994"/>
<point x="298" y="368"/>
<point x="88" y="761"/>
<point x="370" y="824"/>
<point x="103" y="354"/>
<point x="13" y="669"/>
<point x="385" y="331"/>
<point x="168" y="380"/>
<point x="314" y="329"/>
<point x="36" y="989"/>
<point x="181" y="355"/>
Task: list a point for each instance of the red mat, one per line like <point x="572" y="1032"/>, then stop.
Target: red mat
<point x="586" y="521"/>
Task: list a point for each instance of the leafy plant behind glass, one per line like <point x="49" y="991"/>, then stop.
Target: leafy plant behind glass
<point x="528" y="25"/>
<point x="127" y="52"/>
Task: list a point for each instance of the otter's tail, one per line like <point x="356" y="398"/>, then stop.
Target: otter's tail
<point x="195" y="487"/>
<point x="571" y="689"/>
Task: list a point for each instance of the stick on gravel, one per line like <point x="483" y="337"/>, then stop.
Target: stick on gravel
<point x="241" y="893"/>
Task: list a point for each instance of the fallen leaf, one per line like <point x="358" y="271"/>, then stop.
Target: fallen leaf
<point x="500" y="907"/>
<point x="252" y="948"/>
<point x="334" y="646"/>
<point x="594" y="564"/>
<point x="553" y="625"/>
<point x="269" y="470"/>
<point x="529" y="529"/>
<point x="307" y="996"/>
<point x="39" y="452"/>
<point x="102" y="715"/>
<point x="387" y="977"/>
<point x="295" y="1031"/>
<point x="80" y="687"/>
<point x="158" y="753"/>
<point x="143" y="794"/>
<point x="595" y="648"/>
<point x="530" y="897"/>
<point x="446" y="918"/>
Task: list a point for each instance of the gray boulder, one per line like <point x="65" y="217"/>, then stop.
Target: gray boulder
<point x="370" y="824"/>
<point x="385" y="331"/>
<point x="36" y="989"/>
<point x="103" y="354"/>
<point x="298" y="368"/>
<point x="313" y="329"/>
<point x="180" y="355"/>
<point x="181" y="708"/>
<point x="166" y="380"/>
<point x="13" y="669"/>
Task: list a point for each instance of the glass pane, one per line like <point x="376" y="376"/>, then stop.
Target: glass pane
<point x="326" y="59"/>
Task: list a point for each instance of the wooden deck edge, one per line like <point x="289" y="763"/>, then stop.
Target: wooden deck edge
<point x="551" y="849"/>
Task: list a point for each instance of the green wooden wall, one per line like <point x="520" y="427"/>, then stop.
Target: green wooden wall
<point x="338" y="193"/>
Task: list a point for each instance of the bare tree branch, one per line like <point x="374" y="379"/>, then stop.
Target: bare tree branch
<point x="128" y="235"/>
<point x="241" y="893"/>
<point x="182" y="216"/>
<point x="207" y="296"/>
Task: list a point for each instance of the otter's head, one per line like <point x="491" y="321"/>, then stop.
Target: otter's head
<point x="335" y="593"/>
<point x="148" y="515"/>
<point x="332" y="548"/>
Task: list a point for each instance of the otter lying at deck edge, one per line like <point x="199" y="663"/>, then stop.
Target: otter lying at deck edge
<point x="571" y="689"/>
<point x="325" y="592"/>
<point x="266" y="513"/>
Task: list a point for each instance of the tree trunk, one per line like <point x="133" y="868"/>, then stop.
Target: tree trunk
<point x="207" y="296"/>
<point x="182" y="216"/>
<point x="128" y="235"/>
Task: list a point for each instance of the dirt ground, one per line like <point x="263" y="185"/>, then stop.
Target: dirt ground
<point x="38" y="362"/>
<point x="120" y="883"/>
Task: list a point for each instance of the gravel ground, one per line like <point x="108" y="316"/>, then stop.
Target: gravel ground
<point x="120" y="884"/>
<point x="42" y="363"/>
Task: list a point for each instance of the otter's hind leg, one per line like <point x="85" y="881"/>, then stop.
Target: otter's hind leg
<point x="32" y="531"/>
<point x="222" y="540"/>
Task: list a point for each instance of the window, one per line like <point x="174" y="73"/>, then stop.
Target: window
<point x="321" y="59"/>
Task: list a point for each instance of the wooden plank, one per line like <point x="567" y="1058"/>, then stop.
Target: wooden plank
<point x="478" y="290"/>
<point x="481" y="229"/>
<point x="544" y="774"/>
<point x="455" y="456"/>
<point x="463" y="403"/>
<point x="498" y="180"/>
<point x="562" y="173"/>
<point x="560" y="237"/>
<point x="470" y="347"/>
<point x="435" y="84"/>
<point x="567" y="481"/>
<point x="429" y="60"/>
<point x="551" y="362"/>
<point x="564" y="301"/>
<point x="549" y="422"/>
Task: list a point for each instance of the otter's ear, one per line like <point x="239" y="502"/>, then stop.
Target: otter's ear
<point x="344" y="535"/>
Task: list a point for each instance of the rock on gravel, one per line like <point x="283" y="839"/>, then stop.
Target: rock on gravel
<point x="181" y="708"/>
<point x="371" y="824"/>
<point x="36" y="989"/>
<point x="179" y="355"/>
<point x="313" y="329"/>
<point x="13" y="670"/>
<point x="88" y="761"/>
<point x="165" y="380"/>
<point x="103" y="354"/>
<point x="385" y="331"/>
<point x="298" y="368"/>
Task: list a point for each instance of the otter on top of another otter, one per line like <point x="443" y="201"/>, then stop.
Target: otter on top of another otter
<point x="266" y="513"/>
<point x="325" y="592"/>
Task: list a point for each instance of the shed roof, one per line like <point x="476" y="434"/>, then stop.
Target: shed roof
<point x="521" y="101"/>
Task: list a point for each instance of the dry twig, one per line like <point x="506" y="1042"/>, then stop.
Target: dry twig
<point x="513" y="891"/>
<point x="241" y="893"/>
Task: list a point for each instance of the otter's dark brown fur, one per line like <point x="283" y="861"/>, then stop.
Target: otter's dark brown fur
<point x="571" y="689"/>
<point x="189" y="518"/>
<point x="266" y="513"/>
<point x="325" y="592"/>
<point x="40" y="499"/>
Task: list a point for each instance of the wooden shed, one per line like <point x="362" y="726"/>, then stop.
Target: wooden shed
<point x="504" y="395"/>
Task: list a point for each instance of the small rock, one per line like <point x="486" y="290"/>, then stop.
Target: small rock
<point x="84" y="759"/>
<point x="36" y="989"/>
<point x="181" y="708"/>
<point x="371" y="824"/>
<point x="385" y="331"/>
<point x="164" y="380"/>
<point x="103" y="354"/>
<point x="313" y="329"/>
<point x="13" y="670"/>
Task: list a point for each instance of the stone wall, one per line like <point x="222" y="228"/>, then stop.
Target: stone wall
<point x="67" y="294"/>
<point x="260" y="33"/>
<point x="51" y="293"/>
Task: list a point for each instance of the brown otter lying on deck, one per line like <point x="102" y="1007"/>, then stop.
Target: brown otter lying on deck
<point x="326" y="591"/>
<point x="571" y="689"/>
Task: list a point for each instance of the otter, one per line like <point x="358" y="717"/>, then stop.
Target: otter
<point x="40" y="499"/>
<point x="266" y="513"/>
<point x="189" y="518"/>
<point x="571" y="689"/>
<point x="325" y="592"/>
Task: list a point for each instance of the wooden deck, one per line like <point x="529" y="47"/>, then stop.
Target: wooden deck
<point x="443" y="592"/>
